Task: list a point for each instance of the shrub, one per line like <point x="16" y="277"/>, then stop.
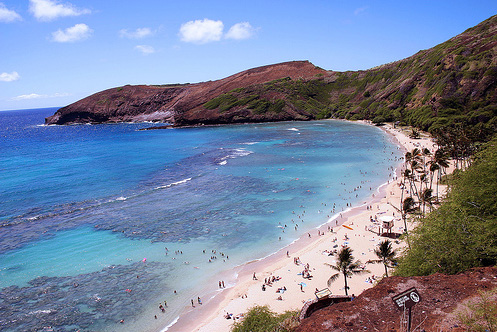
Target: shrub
<point x="262" y="319"/>
<point x="480" y="315"/>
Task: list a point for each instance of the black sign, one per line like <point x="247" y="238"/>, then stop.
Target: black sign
<point x="407" y="299"/>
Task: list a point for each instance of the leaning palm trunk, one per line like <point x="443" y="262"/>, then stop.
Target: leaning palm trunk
<point x="346" y="286"/>
<point x="407" y="207"/>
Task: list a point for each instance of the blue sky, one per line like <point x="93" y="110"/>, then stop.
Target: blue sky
<point x="55" y="52"/>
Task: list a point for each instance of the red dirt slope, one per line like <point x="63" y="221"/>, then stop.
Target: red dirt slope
<point x="374" y="309"/>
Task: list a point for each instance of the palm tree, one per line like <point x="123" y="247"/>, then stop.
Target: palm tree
<point x="408" y="206"/>
<point x="386" y="254"/>
<point x="423" y="177"/>
<point x="426" y="198"/>
<point x="414" y="134"/>
<point x="413" y="159"/>
<point x="434" y="167"/>
<point x="441" y="159"/>
<point x="345" y="265"/>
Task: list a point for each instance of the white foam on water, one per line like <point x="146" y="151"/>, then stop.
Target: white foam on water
<point x="170" y="324"/>
<point x="240" y="152"/>
<point x="173" y="184"/>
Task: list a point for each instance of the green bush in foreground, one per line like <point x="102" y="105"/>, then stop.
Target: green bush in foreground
<point x="262" y="319"/>
<point x="462" y="232"/>
<point x="480" y="315"/>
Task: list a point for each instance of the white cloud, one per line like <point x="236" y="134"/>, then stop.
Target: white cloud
<point x="201" y="31"/>
<point x="7" y="15"/>
<point x="360" y="10"/>
<point x="48" y="10"/>
<point x="6" y="77"/>
<point x="137" y="34"/>
<point x="30" y="96"/>
<point x="38" y="96"/>
<point x="240" y="31"/>
<point x="145" y="49"/>
<point x="78" y="32"/>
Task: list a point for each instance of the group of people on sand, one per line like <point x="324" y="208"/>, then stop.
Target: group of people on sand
<point x="269" y="282"/>
<point x="231" y="316"/>
<point x="306" y="274"/>
<point x="371" y="279"/>
<point x="330" y="252"/>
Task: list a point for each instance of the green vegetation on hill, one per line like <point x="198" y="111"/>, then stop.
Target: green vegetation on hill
<point x="462" y="232"/>
<point x="275" y="96"/>
<point x="452" y="84"/>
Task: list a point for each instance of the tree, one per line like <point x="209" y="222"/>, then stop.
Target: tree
<point x="386" y="255"/>
<point x="414" y="134"/>
<point x="408" y="206"/>
<point x="345" y="265"/>
<point x="433" y="167"/>
<point x="426" y="198"/>
<point x="440" y="159"/>
<point x="423" y="177"/>
<point x="413" y="160"/>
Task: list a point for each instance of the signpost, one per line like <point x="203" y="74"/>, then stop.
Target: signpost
<point x="406" y="300"/>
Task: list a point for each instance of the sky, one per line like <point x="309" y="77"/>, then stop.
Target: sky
<point x="55" y="52"/>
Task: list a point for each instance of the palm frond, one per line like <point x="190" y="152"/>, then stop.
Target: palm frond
<point x="332" y="278"/>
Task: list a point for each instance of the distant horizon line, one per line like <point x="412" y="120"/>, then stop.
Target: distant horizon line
<point x="30" y="109"/>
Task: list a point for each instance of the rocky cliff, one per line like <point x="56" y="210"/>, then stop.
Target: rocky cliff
<point x="182" y="104"/>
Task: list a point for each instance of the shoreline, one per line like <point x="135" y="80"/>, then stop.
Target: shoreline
<point x="309" y="249"/>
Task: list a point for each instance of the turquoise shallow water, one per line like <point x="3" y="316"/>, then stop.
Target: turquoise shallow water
<point x="100" y="223"/>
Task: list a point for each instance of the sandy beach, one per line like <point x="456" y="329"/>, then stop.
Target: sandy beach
<point x="352" y="228"/>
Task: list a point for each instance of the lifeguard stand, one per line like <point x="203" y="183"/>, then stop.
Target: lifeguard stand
<point x="387" y="223"/>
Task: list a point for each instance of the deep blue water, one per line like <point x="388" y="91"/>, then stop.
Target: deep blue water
<point x="87" y="211"/>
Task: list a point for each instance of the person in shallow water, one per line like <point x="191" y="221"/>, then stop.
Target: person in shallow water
<point x="143" y="274"/>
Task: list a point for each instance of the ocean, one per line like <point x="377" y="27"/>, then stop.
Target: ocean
<point x="101" y="223"/>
